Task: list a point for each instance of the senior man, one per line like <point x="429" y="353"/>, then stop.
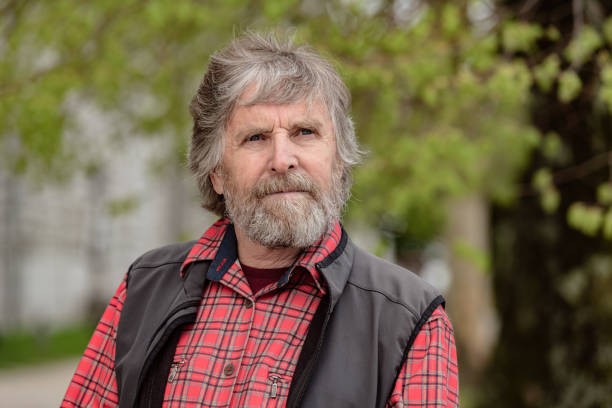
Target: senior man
<point x="273" y="305"/>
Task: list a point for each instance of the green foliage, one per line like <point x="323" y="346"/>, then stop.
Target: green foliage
<point x="553" y="149"/>
<point x="123" y="205"/>
<point x="607" y="225"/>
<point x="607" y="30"/>
<point x="276" y="10"/>
<point x="520" y="36"/>
<point x="549" y="196"/>
<point x="552" y="268"/>
<point x="604" y="194"/>
<point x="111" y="53"/>
<point x="476" y="256"/>
<point x="542" y="179"/>
<point x="605" y="92"/>
<point x="587" y="288"/>
<point x="34" y="347"/>
<point x="546" y="73"/>
<point x="569" y="86"/>
<point x="573" y="286"/>
<point x="585" y="218"/>
<point x="552" y="33"/>
<point x="451" y="18"/>
<point x="582" y="47"/>
<point x="442" y="111"/>
<point x="589" y="219"/>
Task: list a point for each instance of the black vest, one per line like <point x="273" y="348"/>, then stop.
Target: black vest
<point x="355" y="347"/>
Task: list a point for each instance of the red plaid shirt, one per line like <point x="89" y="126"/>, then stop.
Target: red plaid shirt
<point x="244" y="347"/>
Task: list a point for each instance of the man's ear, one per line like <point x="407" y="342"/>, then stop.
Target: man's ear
<point x="216" y="178"/>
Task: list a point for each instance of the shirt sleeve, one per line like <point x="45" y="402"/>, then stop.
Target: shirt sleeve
<point x="94" y="383"/>
<point x="429" y="376"/>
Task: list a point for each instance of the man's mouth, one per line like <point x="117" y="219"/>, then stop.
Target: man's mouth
<point x="288" y="192"/>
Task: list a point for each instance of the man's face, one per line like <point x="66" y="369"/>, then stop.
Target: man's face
<point x="280" y="178"/>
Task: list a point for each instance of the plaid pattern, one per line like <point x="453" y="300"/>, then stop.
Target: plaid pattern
<point x="243" y="349"/>
<point x="430" y="376"/>
<point x="94" y="383"/>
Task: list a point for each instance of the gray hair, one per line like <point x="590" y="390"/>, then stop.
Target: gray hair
<point x="279" y="72"/>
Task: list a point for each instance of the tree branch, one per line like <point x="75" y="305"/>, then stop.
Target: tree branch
<point x="583" y="169"/>
<point x="529" y="4"/>
<point x="578" y="14"/>
<point x="572" y="173"/>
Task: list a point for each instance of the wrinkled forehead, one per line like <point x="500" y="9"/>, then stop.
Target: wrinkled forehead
<point x="256" y="94"/>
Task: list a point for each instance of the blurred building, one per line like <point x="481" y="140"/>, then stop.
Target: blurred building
<point x="62" y="244"/>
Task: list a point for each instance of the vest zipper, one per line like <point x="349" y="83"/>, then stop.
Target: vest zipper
<point x="303" y="381"/>
<point x="171" y="325"/>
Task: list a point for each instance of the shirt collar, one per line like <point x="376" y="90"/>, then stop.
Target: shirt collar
<point x="218" y="244"/>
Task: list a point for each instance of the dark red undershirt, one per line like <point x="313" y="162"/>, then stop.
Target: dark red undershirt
<point x="258" y="278"/>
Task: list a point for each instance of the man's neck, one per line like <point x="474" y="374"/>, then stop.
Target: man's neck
<point x="258" y="256"/>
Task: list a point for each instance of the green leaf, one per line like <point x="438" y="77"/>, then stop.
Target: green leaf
<point x="520" y="36"/>
<point x="573" y="285"/>
<point x="575" y="215"/>
<point x="123" y="206"/>
<point x="275" y="9"/>
<point x="542" y="179"/>
<point x="552" y="147"/>
<point x="580" y="49"/>
<point x="510" y="84"/>
<point x="607" y="30"/>
<point x="552" y="33"/>
<point x="595" y="219"/>
<point x="451" y="19"/>
<point x="607" y="225"/>
<point x="605" y="91"/>
<point x="478" y="257"/>
<point x="586" y="219"/>
<point x="546" y="73"/>
<point x="604" y="194"/>
<point x="549" y="200"/>
<point x="569" y="86"/>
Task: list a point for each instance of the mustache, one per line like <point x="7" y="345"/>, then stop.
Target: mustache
<point x="283" y="183"/>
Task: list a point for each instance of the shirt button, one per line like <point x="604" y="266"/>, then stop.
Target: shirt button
<point x="248" y="303"/>
<point x="229" y="370"/>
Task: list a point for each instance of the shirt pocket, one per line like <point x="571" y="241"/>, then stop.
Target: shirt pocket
<point x="277" y="390"/>
<point x="264" y="387"/>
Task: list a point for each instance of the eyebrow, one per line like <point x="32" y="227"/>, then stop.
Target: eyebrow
<point x="300" y="124"/>
<point x="252" y="131"/>
<point x="308" y="124"/>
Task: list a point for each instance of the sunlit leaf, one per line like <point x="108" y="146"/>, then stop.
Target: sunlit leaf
<point x="604" y="193"/>
<point x="546" y="73"/>
<point x="520" y="36"/>
<point x="569" y="86"/>
<point x="583" y="46"/>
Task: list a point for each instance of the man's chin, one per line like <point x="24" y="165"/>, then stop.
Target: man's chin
<point x="291" y="202"/>
<point x="289" y="196"/>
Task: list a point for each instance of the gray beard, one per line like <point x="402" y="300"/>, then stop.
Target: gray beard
<point x="297" y="222"/>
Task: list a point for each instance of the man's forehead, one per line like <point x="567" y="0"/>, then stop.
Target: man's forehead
<point x="311" y="111"/>
<point x="277" y="93"/>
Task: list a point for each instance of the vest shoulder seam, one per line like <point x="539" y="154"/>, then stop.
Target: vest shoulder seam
<point x="156" y="265"/>
<point x="388" y="297"/>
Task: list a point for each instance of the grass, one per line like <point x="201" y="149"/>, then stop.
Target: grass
<point x="21" y="347"/>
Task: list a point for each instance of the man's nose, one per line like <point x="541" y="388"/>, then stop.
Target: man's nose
<point x="283" y="155"/>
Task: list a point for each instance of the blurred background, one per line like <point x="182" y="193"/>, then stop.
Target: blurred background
<point x="489" y="130"/>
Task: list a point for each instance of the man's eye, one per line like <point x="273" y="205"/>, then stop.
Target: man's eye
<point x="254" y="138"/>
<point x="306" y="132"/>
